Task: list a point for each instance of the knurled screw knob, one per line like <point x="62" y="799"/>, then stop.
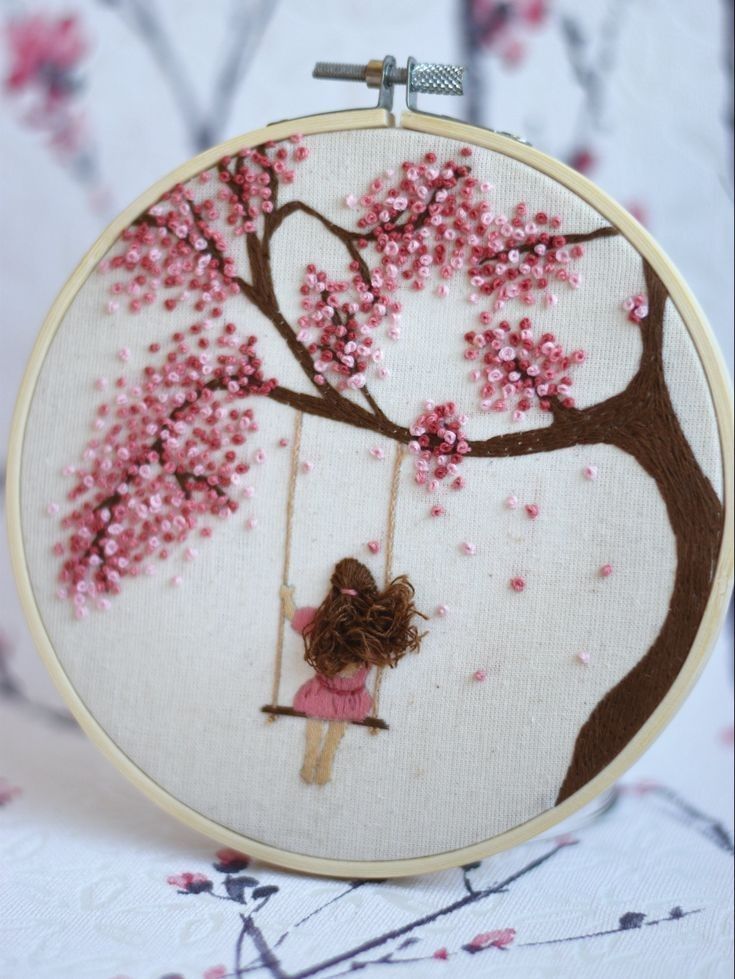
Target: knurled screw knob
<point x="423" y="77"/>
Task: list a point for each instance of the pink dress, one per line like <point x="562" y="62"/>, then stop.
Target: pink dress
<point x="331" y="698"/>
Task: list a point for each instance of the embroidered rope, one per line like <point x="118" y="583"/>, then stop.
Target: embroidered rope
<point x="388" y="571"/>
<point x="290" y="500"/>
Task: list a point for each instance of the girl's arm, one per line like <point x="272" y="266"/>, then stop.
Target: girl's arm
<point x="298" y="617"/>
<point x="287" y="602"/>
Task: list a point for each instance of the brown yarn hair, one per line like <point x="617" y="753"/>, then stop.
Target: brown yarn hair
<point x="371" y="626"/>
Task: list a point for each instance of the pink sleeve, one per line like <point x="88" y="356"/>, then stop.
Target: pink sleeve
<point x="302" y="617"/>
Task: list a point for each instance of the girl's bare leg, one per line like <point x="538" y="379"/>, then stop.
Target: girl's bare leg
<point x="335" y="733"/>
<point x="311" y="750"/>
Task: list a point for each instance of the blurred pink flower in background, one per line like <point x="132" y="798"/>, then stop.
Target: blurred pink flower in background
<point x="8" y="792"/>
<point x="45" y="52"/>
<point x="500" y="25"/>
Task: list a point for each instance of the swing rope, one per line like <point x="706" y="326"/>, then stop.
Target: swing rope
<point x="274" y="709"/>
<point x="290" y="501"/>
<point x="388" y="568"/>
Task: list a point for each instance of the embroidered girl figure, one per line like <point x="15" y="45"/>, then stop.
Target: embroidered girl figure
<point x="356" y="627"/>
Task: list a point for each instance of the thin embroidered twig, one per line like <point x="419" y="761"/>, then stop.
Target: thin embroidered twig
<point x="290" y="500"/>
<point x="388" y="572"/>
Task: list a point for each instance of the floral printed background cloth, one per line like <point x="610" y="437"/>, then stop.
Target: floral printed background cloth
<point x="99" y="99"/>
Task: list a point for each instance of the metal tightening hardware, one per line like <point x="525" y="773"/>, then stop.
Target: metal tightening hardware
<point x="418" y="77"/>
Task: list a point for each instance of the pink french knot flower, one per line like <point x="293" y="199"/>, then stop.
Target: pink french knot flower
<point x="339" y="321"/>
<point x="441" y="953"/>
<point x="215" y="972"/>
<point x="439" y="445"/>
<point x="501" y="938"/>
<point x="636" y="307"/>
<point x="518" y="369"/>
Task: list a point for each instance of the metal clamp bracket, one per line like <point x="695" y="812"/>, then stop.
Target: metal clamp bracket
<point x="418" y="77"/>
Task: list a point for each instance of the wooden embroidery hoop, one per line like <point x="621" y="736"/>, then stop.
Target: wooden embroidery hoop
<point x="719" y="386"/>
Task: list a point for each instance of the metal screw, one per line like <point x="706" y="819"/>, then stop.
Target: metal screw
<point x="418" y="77"/>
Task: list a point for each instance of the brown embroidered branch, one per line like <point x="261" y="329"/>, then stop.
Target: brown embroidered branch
<point x="576" y="238"/>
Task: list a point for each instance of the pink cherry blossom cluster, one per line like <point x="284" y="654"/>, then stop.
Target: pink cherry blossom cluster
<point x="167" y="453"/>
<point x="436" y="220"/>
<point x="249" y="177"/>
<point x="519" y="368"/>
<point x="636" y="307"/>
<point x="338" y="323"/>
<point x="439" y="445"/>
<point x="45" y="52"/>
<point x="500" y="26"/>
<point x="174" y="251"/>
<point x="177" y="249"/>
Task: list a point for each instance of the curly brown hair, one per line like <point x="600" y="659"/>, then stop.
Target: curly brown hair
<point x="357" y="623"/>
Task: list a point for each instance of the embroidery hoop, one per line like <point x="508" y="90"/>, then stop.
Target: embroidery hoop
<point x="700" y="333"/>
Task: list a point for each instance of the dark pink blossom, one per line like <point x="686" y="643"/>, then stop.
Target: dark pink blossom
<point x="583" y="160"/>
<point x="231" y="861"/>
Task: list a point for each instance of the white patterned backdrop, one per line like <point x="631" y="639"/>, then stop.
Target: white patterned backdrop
<point x="99" y="99"/>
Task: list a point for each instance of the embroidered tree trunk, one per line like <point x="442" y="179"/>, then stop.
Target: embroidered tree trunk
<point x="640" y="420"/>
<point x="651" y="433"/>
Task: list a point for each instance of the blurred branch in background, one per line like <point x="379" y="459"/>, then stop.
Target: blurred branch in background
<point x="494" y="27"/>
<point x="499" y="28"/>
<point x="44" y="58"/>
<point x="12" y="692"/>
<point x="592" y="62"/>
<point x="205" y="123"/>
<point x="728" y="36"/>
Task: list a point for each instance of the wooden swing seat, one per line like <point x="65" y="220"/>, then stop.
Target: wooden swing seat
<point x="275" y="709"/>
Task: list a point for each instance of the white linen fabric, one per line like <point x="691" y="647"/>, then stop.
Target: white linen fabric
<point x="177" y="676"/>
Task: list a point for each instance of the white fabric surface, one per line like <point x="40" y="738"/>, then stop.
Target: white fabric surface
<point x="463" y="761"/>
<point x="85" y="857"/>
